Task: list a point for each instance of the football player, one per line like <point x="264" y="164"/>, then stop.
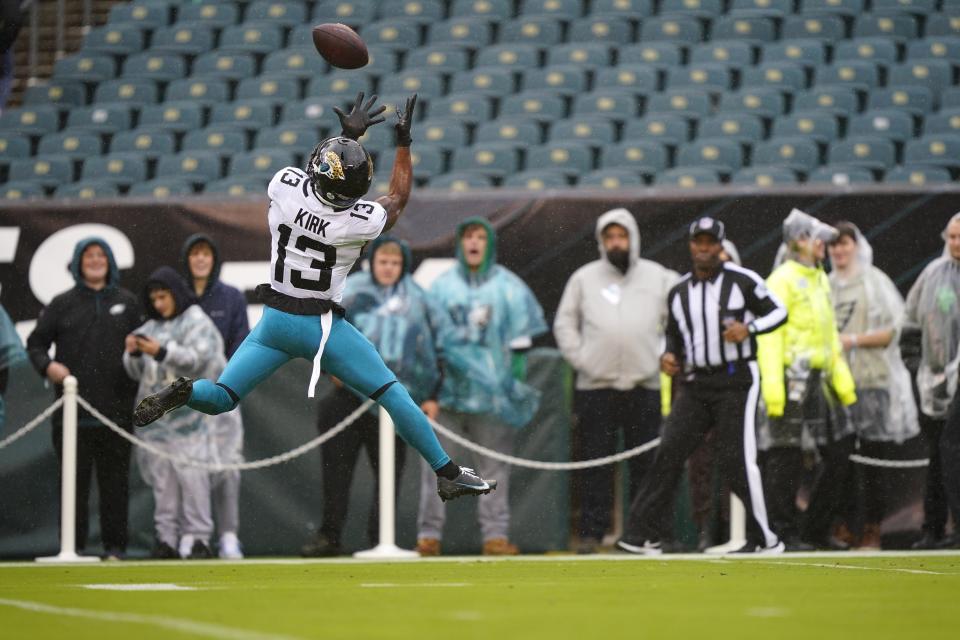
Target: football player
<point x="319" y="224"/>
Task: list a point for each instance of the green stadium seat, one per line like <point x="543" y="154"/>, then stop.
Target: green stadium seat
<point x="844" y="8"/>
<point x="600" y="29"/>
<point x="783" y="76"/>
<point x="227" y="66"/>
<point x="488" y="82"/>
<point x="492" y="159"/>
<point x="861" y="75"/>
<point x="343" y="84"/>
<point x="583" y="54"/>
<point x="443" y="133"/>
<point x="256" y="38"/>
<point x="74" y="145"/>
<point x="107" y="118"/>
<point x="317" y="112"/>
<point x="148" y="66"/>
<point x="301" y="37"/>
<point x="84" y="68"/>
<point x="671" y="29"/>
<point x="690" y="103"/>
<point x="144" y="16"/>
<point x="841" y="175"/>
<point x="949" y="98"/>
<point x="461" y="181"/>
<point x="935" y="74"/>
<point x="646" y="157"/>
<point x="535" y="105"/>
<point x="113" y="40"/>
<point x="797" y="153"/>
<point x="122" y="169"/>
<point x="899" y="27"/>
<point x="162" y="188"/>
<point x="667" y="129"/>
<point x="913" y="99"/>
<point x="871" y="152"/>
<point x="761" y="8"/>
<point x="640" y="79"/>
<point x="297" y="138"/>
<point x="826" y="28"/>
<point x="470" y="33"/>
<point x="212" y="13"/>
<point x="838" y="100"/>
<point x="20" y="190"/>
<point x="687" y="178"/>
<point x="438" y="58"/>
<point x="32" y="121"/>
<point x="885" y="123"/>
<point x="519" y="57"/>
<point x="561" y="9"/>
<point x="516" y="132"/>
<point x="378" y="139"/>
<point x="63" y="95"/>
<point x="261" y="162"/>
<point x="246" y="114"/>
<point x="740" y="54"/>
<point x="819" y="126"/>
<point x="658" y="54"/>
<point x="917" y="175"/>
<point x="946" y="47"/>
<point x="561" y="79"/>
<point x="395" y="35"/>
<point x="538" y="31"/>
<point x="191" y="166"/>
<point x="941" y="24"/>
<point x="761" y="101"/>
<point x="944" y="121"/>
<point x="394" y="101"/>
<point x="13" y="146"/>
<point x="128" y="91"/>
<point x="611" y="179"/>
<point x="427" y="162"/>
<point x="941" y="150"/>
<point x="744" y="128"/>
<point x="722" y="155"/>
<point x="149" y="143"/>
<point x="625" y="9"/>
<point x="593" y="131"/>
<point x="220" y="139"/>
<point x="426" y="84"/>
<point x="707" y="9"/>
<point x="269" y="88"/>
<point x="177" y="116"/>
<point x="299" y="62"/>
<point x="874" y="49"/>
<point x="285" y="13"/>
<point x="809" y="53"/>
<point x="493" y="10"/>
<point x="616" y="104"/>
<point x="205" y="91"/>
<point x="537" y="180"/>
<point x="417" y="11"/>
<point x="351" y="12"/>
<point x="237" y="187"/>
<point x="182" y="39"/>
<point x="468" y="108"/>
<point x="750" y="30"/>
<point x="571" y="158"/>
<point x="88" y="190"/>
<point x="709" y="76"/>
<point x="47" y="171"/>
<point x="764" y="176"/>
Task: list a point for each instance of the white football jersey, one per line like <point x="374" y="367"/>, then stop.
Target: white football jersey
<point x="314" y="247"/>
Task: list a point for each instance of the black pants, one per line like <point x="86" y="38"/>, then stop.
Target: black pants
<point x="339" y="459"/>
<point x="100" y="448"/>
<point x="950" y="459"/>
<point x="935" y="493"/>
<point x="724" y="402"/>
<point x="601" y="415"/>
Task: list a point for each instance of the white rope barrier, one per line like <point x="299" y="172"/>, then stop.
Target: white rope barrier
<point x="889" y="464"/>
<point x="33" y="424"/>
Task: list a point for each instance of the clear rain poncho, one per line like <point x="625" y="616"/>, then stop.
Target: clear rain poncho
<point x="884" y="312"/>
<point x="933" y="307"/>
<point x="11" y="353"/>
<point x="799" y="225"/>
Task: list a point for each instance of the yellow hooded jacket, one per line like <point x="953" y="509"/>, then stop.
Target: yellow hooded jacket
<point x="810" y="332"/>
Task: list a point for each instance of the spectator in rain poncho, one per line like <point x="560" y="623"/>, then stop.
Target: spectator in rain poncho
<point x="396" y="315"/>
<point x="483" y="397"/>
<point x="869" y="310"/>
<point x="933" y="306"/>
<point x="179" y="339"/>
<point x="11" y="352"/>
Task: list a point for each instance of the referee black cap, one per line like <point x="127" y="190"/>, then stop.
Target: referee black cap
<point x="710" y="226"/>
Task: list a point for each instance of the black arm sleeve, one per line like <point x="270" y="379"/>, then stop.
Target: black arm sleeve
<point x="672" y="333"/>
<point x="38" y="344"/>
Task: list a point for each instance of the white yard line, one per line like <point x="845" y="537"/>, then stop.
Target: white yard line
<point x="183" y="625"/>
<point x="853" y="567"/>
<point x="401" y="585"/>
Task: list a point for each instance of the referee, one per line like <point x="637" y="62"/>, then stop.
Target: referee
<point x="714" y="314"/>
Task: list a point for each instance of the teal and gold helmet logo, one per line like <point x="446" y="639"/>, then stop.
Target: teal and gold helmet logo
<point x="330" y="167"/>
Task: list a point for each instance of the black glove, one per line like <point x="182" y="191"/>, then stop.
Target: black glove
<point x="404" y="120"/>
<point x="360" y="118"/>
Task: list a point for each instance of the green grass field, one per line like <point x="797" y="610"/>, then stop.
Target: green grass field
<point x="826" y="596"/>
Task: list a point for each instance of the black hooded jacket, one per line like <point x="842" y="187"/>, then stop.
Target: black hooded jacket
<point x="89" y="328"/>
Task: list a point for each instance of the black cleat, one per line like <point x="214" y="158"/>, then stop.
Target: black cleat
<point x="200" y="551"/>
<point x="468" y="483"/>
<point x="162" y="551"/>
<point x="166" y="400"/>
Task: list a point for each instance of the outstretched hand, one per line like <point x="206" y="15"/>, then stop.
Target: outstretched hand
<point x="361" y="117"/>
<point x="404" y="120"/>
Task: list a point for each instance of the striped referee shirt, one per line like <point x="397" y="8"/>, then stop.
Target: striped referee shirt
<point x="699" y="311"/>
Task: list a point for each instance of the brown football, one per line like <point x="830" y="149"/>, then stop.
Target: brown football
<point x="340" y="45"/>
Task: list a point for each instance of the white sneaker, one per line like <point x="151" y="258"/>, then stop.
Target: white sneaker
<point x="648" y="548"/>
<point x="229" y="547"/>
<point x="186" y="546"/>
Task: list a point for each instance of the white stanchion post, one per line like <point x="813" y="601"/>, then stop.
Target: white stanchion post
<point x="386" y="547"/>
<point x="68" y="485"/>
<point x="738" y="528"/>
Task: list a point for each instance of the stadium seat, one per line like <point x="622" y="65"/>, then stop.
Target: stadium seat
<point x="600" y="29"/>
<point x="616" y="104"/>
<point x="710" y="76"/>
<point x="470" y="33"/>
<point x="819" y="126"/>
<point x="690" y="103"/>
<point x="438" y="58"/>
<point x="722" y="155"/>
<point x="350" y="12"/>
<point x="20" y="190"/>
<point x="298" y="139"/>
<point x="122" y="169"/>
<point x="205" y="91"/>
<point x="885" y="123"/>
<point x="251" y="38"/>
<point x="917" y="175"/>
<point x="191" y="166"/>
<point x="317" y="112"/>
<point x="119" y="40"/>
<point x="950" y="98"/>
<point x="535" y="105"/>
<point x="761" y="8"/>
<point x="237" y="186"/>
<point x="687" y="178"/>
<point x="537" y="180"/>
<point x="461" y="181"/>
<point x="946" y="47"/>
<point x="285" y="13"/>
<point x="220" y="139"/>
<point x="640" y="79"/>
<point x="13" y="146"/>
<point x="827" y="28"/>
<point x="216" y="64"/>
<point x="561" y="79"/>
<point x="913" y="99"/>
<point x="750" y="30"/>
<point x="377" y="139"/>
<point x="108" y="118"/>
<point x="84" y="68"/>
<point x="882" y="50"/>
<point x="427" y="161"/>
<point x="261" y="162"/>
<point x="783" y="76"/>
<point x="583" y="54"/>
<point x="761" y="101"/>
<point x="797" y="153"/>
<point x="658" y="54"/>
<point x="417" y="11"/>
<point x="915" y="7"/>
<point x="519" y="133"/>
<point x="268" y="88"/>
<point x="838" y="100"/>
<point x="143" y="16"/>
<point x="935" y="74"/>
<point x="561" y="9"/>
<point x="298" y="62"/>
<point x="212" y="13"/>
<point x="705" y="9"/>
<point x="47" y="171"/>
<point x="162" y="188"/>
<point x="149" y="143"/>
<point x="468" y="108"/>
<point x="764" y="176"/>
<point x="646" y="157"/>
<point x="443" y="133"/>
<point x="681" y="29"/>
<point x="246" y="114"/>
<point x="944" y="121"/>
<point x="901" y="28"/>
<point x="841" y="176"/>
<point x="61" y="94"/>
<point x="571" y="158"/>
<point x="493" y="10"/>
<point x="845" y="8"/>
<point x="612" y="179"/>
<point x="74" y="145"/>
<point x="941" y="150"/>
<point x="667" y="129"/>
<point x="941" y="24"/>
<point x="32" y="121"/>
<point x="537" y="31"/>
<point x="178" y="116"/>
<point x="871" y="152"/>
<point x="809" y="53"/>
<point x="182" y="39"/>
<point x="744" y="128"/>
<point x="739" y="54"/>
<point x="625" y="9"/>
<point x="489" y="82"/>
<point x="88" y="190"/>
<point x="491" y="159"/>
<point x="424" y="83"/>
<point x="149" y="66"/>
<point x="129" y="91"/>
<point x="520" y="57"/>
<point x="593" y="131"/>
<point x="861" y="75"/>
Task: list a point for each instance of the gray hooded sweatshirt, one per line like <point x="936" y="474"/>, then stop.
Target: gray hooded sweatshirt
<point x="610" y="325"/>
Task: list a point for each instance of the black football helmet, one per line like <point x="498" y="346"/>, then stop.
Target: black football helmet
<point x="340" y="171"/>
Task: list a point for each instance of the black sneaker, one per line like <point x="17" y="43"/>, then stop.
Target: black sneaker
<point x="468" y="483"/>
<point x="645" y="548"/>
<point x="200" y="551"/>
<point x="320" y="546"/>
<point x="166" y="400"/>
<point x="753" y="547"/>
<point x="162" y="551"/>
